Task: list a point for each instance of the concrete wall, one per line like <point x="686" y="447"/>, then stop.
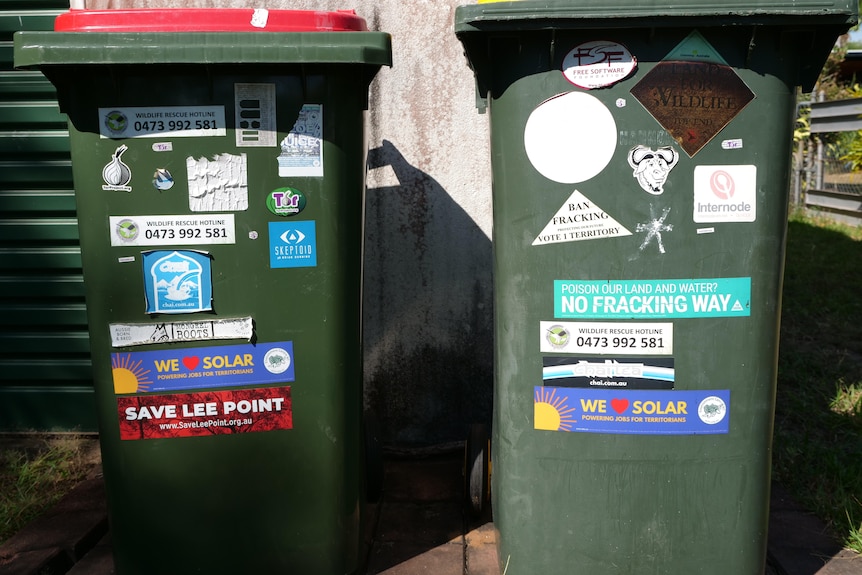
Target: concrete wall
<point x="428" y="268"/>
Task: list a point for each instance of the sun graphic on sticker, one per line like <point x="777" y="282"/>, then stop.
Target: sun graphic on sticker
<point x="550" y="412"/>
<point x="129" y="376"/>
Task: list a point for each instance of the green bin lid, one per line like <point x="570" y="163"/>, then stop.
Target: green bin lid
<point x="545" y="14"/>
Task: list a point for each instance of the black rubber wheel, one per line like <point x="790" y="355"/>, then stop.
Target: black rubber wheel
<point x="477" y="469"/>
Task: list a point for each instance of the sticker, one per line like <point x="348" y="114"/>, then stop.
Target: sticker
<point x="570" y="138"/>
<point x="205" y="414"/>
<point x="222" y="366"/>
<point x="253" y="235"/>
<point x="705" y="231"/>
<point x="163" y="147"/>
<point x="292" y="245"/>
<point x="735" y="144"/>
<point x="302" y="149"/>
<point x="598" y="64"/>
<point x="621" y="103"/>
<point x="285" y="201"/>
<point x="255" y="114"/>
<point x="163" y="180"/>
<point x="218" y="185"/>
<point x="159" y="122"/>
<point x="644" y="412"/>
<point x="259" y="18"/>
<point x="177" y="281"/>
<point x="126" y="259"/>
<point x="672" y="298"/>
<point x="725" y="194"/>
<point x="693" y="93"/>
<point x="172" y="230"/>
<point x="653" y="229"/>
<point x="129" y="334"/>
<point x="652" y="167"/>
<point x="579" y="219"/>
<point x="606" y="338"/>
<point x="629" y="373"/>
<point x="695" y="48"/>
<point x="116" y="173"/>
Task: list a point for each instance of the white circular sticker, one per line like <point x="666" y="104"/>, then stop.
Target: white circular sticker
<point x="570" y="138"/>
<point x="598" y="64"/>
<point x="276" y="360"/>
<point x="712" y="410"/>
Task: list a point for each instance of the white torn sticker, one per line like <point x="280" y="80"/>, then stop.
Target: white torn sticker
<point x="580" y="219"/>
<point x="218" y="185"/>
<point x="259" y="17"/>
<point x="128" y="334"/>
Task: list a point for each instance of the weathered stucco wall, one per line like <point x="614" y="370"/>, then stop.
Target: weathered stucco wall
<point x="428" y="268"/>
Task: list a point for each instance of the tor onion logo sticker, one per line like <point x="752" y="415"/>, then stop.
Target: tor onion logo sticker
<point x="286" y="201"/>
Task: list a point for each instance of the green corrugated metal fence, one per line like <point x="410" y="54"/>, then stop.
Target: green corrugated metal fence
<point x="45" y="374"/>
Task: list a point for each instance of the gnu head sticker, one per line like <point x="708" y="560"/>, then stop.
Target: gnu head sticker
<point x="651" y="167"/>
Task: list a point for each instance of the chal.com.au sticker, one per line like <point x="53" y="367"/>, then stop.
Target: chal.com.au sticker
<point x="222" y="366"/>
<point x="653" y="412"/>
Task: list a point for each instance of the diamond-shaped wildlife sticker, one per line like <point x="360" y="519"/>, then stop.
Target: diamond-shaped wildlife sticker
<point x="693" y="101"/>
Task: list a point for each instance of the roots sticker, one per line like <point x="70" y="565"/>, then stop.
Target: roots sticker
<point x="598" y="64"/>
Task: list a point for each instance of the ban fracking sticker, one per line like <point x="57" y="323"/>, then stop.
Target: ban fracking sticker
<point x="579" y="219"/>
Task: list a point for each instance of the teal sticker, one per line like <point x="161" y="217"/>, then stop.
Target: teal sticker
<point x="285" y="201"/>
<point x="678" y="298"/>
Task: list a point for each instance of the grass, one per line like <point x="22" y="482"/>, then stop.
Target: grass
<point x="36" y="471"/>
<point x="818" y="419"/>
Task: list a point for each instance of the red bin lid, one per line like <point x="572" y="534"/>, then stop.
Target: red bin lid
<point x="209" y="20"/>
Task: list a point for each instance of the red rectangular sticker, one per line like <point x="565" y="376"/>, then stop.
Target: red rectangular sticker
<point x="204" y="413"/>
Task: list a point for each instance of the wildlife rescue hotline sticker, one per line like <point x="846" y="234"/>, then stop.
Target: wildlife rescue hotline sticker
<point x="598" y="64"/>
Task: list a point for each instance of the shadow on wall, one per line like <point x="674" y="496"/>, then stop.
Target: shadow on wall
<point x="428" y="317"/>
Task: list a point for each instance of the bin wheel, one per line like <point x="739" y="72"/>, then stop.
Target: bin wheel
<point x="373" y="459"/>
<point x="477" y="469"/>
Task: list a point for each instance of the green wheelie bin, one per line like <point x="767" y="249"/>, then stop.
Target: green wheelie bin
<point x="640" y="158"/>
<point x="219" y="171"/>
